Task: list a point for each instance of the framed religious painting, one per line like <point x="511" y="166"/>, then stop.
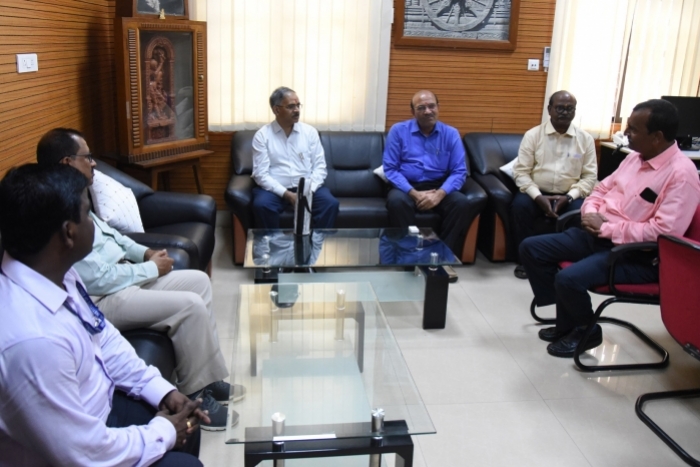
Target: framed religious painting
<point x="161" y="88"/>
<point x="472" y="24"/>
<point x="154" y="9"/>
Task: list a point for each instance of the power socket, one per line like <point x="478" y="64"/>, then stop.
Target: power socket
<point x="27" y="63"/>
<point x="533" y="64"/>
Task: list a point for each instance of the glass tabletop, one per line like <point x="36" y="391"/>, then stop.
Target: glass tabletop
<point x="280" y="248"/>
<point x="316" y="361"/>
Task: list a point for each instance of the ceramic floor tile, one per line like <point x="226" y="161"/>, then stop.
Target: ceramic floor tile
<point x="479" y="373"/>
<point x="608" y="433"/>
<point x="523" y="433"/>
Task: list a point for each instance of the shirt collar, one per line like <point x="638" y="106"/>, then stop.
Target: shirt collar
<point x="277" y="128"/>
<point x="413" y="127"/>
<point x="37" y="285"/>
<point x="659" y="161"/>
<point x="549" y="129"/>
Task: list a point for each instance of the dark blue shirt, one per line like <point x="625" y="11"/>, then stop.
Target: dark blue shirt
<point x="411" y="157"/>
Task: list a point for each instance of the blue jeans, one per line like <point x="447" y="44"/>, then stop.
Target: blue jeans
<point x="569" y="287"/>
<point x="267" y="208"/>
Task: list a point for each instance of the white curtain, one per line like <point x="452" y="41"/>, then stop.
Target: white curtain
<point x="585" y="59"/>
<point x="334" y="54"/>
<point x="590" y="42"/>
<point x="663" y="52"/>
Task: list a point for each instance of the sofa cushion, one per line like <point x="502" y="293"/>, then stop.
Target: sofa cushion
<point x="350" y="160"/>
<point x="488" y="152"/>
<point x="115" y="204"/>
<point x="362" y="213"/>
<point x="242" y="152"/>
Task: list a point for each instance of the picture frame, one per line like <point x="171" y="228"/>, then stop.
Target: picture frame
<point x="161" y="88"/>
<point x="457" y="24"/>
<point x="172" y="9"/>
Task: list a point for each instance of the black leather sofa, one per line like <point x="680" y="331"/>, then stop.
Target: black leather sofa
<point x="174" y="221"/>
<point x="351" y="158"/>
<point x="487" y="152"/>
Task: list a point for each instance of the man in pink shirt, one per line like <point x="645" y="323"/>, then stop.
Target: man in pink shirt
<point x="654" y="191"/>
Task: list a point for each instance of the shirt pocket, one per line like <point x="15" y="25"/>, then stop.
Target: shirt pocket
<point x="638" y="209"/>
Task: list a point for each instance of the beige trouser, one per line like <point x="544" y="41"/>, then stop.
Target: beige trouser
<point x="179" y="304"/>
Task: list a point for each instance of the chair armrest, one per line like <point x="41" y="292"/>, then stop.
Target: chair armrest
<point x="239" y="198"/>
<point x="474" y="192"/>
<point x="165" y="208"/>
<point x="499" y="195"/>
<point x="171" y="243"/>
<point x="568" y="220"/>
<point x="153" y="347"/>
<point x="644" y="252"/>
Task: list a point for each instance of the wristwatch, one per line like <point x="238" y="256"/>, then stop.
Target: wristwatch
<point x="569" y="199"/>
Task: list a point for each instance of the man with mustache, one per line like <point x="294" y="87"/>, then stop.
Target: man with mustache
<point x="424" y="161"/>
<point x="284" y="151"/>
<point x="555" y="169"/>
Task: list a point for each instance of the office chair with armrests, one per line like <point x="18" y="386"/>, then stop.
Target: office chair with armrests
<point x="646" y="294"/>
<point x="679" y="267"/>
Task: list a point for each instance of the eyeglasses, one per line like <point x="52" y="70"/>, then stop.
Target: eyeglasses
<point x="423" y="108"/>
<point x="291" y="107"/>
<point x="87" y="156"/>
<point x="565" y="108"/>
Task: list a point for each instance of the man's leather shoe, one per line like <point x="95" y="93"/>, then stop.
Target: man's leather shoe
<point x="520" y="272"/>
<point x="566" y="346"/>
<point x="551" y="334"/>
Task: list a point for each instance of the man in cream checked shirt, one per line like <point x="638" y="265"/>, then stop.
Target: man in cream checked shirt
<point x="284" y="151"/>
<point x="556" y="168"/>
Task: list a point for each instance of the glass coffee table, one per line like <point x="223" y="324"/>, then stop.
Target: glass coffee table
<point x="349" y="255"/>
<point x="324" y="376"/>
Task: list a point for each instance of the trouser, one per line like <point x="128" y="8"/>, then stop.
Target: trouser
<point x="453" y="225"/>
<point x="127" y="412"/>
<point x="267" y="208"/>
<point x="179" y="304"/>
<point x="529" y="220"/>
<point x="568" y="288"/>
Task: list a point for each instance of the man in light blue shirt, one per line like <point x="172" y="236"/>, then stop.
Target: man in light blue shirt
<point x="61" y="361"/>
<point x="424" y="161"/>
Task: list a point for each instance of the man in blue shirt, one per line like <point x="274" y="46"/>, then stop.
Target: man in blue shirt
<point x="424" y="161"/>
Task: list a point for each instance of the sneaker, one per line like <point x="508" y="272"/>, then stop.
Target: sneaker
<point x="216" y="412"/>
<point x="221" y="392"/>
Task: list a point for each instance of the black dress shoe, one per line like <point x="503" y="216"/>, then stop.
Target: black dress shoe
<point x="551" y="334"/>
<point x="566" y="346"/>
<point x="520" y="272"/>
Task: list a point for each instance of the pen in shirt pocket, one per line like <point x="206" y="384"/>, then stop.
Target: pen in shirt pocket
<point x="301" y="156"/>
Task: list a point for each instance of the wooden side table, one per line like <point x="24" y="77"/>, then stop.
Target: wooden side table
<point x="163" y="165"/>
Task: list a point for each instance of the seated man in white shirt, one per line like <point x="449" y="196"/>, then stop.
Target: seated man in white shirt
<point x="136" y="287"/>
<point x="284" y="151"/>
<point x="556" y="168"/>
<point x="61" y="361"/>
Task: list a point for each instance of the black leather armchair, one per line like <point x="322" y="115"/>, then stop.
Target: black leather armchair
<point x="351" y="158"/>
<point x="174" y="221"/>
<point x="487" y="152"/>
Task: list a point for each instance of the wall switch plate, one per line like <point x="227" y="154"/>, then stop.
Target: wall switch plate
<point x="27" y="63"/>
<point x="533" y="64"/>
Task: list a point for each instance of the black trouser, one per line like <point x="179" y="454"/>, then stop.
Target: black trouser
<point x="569" y="287"/>
<point x="454" y="224"/>
<point x="127" y="412"/>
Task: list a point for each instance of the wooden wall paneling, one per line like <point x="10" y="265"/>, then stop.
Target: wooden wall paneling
<point x="74" y="87"/>
<point x="479" y="90"/>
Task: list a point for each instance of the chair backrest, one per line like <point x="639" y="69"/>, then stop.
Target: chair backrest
<point x="679" y="269"/>
<point x="487" y="152"/>
<point x="693" y="231"/>
<point x="351" y="158"/>
<point x="242" y="152"/>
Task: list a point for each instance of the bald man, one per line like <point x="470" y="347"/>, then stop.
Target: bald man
<point x="424" y="162"/>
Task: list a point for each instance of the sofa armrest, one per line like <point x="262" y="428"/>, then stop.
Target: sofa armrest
<point x="474" y="193"/>
<point x="239" y="198"/>
<point x="171" y="243"/>
<point x="165" y="208"/>
<point x="499" y="194"/>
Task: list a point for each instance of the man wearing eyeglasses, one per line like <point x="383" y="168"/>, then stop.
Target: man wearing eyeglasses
<point x="424" y="161"/>
<point x="284" y="151"/>
<point x="555" y="169"/>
